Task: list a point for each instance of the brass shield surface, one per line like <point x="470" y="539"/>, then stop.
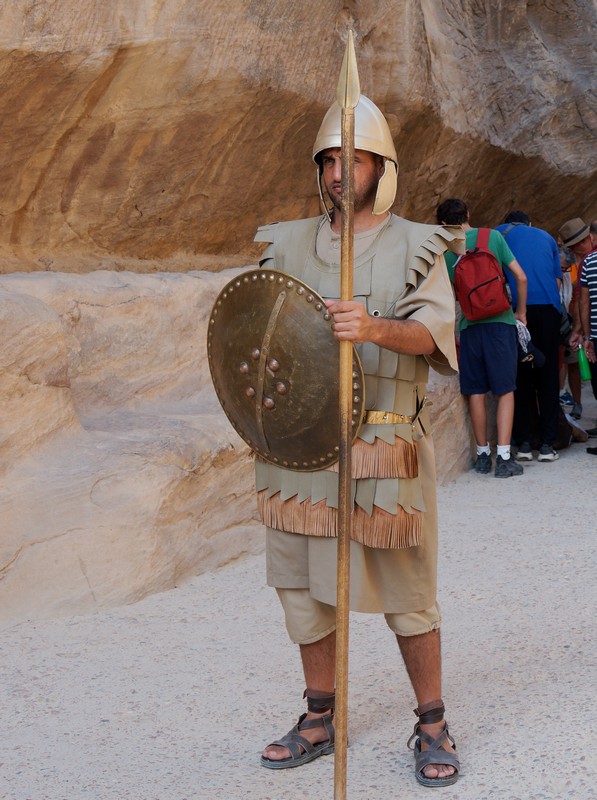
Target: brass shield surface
<point x="274" y="363"/>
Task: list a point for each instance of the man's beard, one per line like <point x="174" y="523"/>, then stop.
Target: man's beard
<point x="361" y="199"/>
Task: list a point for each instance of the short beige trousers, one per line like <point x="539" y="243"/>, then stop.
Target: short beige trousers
<point x="308" y="620"/>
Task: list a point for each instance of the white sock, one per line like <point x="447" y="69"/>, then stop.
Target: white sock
<point x="503" y="450"/>
<point x="483" y="449"/>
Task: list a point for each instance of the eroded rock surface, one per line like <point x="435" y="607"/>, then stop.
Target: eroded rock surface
<point x="156" y="136"/>
<point x="121" y="475"/>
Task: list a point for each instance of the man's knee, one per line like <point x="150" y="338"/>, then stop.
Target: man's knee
<point x="307" y="620"/>
<point x="415" y="623"/>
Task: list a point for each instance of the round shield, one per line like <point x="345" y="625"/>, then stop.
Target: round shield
<point x="274" y="363"/>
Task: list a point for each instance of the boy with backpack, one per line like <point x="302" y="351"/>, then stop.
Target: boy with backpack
<point x="488" y="333"/>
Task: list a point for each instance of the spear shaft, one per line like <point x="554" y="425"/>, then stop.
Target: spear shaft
<point x="348" y="97"/>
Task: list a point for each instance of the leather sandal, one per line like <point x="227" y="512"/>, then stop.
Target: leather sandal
<point x="301" y="749"/>
<point x="435" y="753"/>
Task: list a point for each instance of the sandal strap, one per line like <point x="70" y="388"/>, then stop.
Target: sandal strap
<point x="326" y="722"/>
<point x="293" y="740"/>
<point x="318" y="702"/>
<point x="426" y="757"/>
<point x="433" y="744"/>
<point x="431" y="715"/>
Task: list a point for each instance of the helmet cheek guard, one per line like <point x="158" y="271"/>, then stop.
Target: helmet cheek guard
<point x="372" y="133"/>
<point x="386" y="188"/>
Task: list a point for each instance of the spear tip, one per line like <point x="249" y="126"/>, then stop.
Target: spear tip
<point x="349" y="89"/>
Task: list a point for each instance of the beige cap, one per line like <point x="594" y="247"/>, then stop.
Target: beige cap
<point x="574" y="231"/>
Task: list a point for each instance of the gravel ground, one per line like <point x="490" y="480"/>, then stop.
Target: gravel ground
<point x="173" y="698"/>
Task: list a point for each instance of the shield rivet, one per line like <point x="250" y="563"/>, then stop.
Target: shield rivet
<point x="255" y="353"/>
<point x="271" y="278"/>
<point x="249" y="391"/>
<point x="356" y="399"/>
<point x="244" y="367"/>
<point x="273" y="364"/>
<point x="281" y="388"/>
<point x="300" y="290"/>
<point x="310" y="298"/>
<point x="290" y="284"/>
<point x="268" y="402"/>
<point x="327" y="317"/>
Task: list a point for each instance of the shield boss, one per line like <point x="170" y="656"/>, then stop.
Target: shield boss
<point x="275" y="365"/>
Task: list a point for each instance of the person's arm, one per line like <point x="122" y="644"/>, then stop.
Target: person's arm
<point x="521" y="290"/>
<point x="585" y="319"/>
<point x="353" y="323"/>
<point x="576" y="335"/>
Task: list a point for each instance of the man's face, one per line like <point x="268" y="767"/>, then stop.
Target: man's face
<point x="368" y="169"/>
<point x="582" y="248"/>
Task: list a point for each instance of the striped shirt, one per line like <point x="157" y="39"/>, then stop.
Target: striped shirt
<point x="588" y="278"/>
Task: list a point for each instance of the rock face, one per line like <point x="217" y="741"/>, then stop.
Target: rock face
<point x="120" y="474"/>
<point x="155" y="136"/>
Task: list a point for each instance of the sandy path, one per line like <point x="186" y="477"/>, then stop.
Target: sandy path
<point x="173" y="698"/>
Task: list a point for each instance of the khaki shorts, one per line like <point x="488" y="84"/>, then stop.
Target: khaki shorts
<point x="308" y="620"/>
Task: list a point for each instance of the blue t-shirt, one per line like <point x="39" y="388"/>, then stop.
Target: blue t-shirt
<point x="537" y="253"/>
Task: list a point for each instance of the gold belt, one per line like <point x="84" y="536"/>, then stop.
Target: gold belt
<point x="389" y="418"/>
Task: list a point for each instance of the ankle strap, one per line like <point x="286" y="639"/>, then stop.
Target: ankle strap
<point x="318" y="702"/>
<point x="431" y="715"/>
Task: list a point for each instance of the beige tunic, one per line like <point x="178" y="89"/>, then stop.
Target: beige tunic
<point x="415" y="286"/>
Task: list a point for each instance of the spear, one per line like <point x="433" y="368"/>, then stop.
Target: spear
<point x="348" y="96"/>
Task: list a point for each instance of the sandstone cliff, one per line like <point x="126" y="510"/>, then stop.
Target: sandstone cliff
<point x="156" y="135"/>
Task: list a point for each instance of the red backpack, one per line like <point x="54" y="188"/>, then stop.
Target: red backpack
<point x="479" y="281"/>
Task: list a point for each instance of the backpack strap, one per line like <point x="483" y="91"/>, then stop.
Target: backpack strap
<point x="508" y="229"/>
<point x="483" y="238"/>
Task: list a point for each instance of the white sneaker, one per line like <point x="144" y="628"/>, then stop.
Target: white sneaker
<point x="524" y="452"/>
<point x="547" y="453"/>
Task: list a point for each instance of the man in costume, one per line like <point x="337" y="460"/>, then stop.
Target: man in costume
<point x="402" y="319"/>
